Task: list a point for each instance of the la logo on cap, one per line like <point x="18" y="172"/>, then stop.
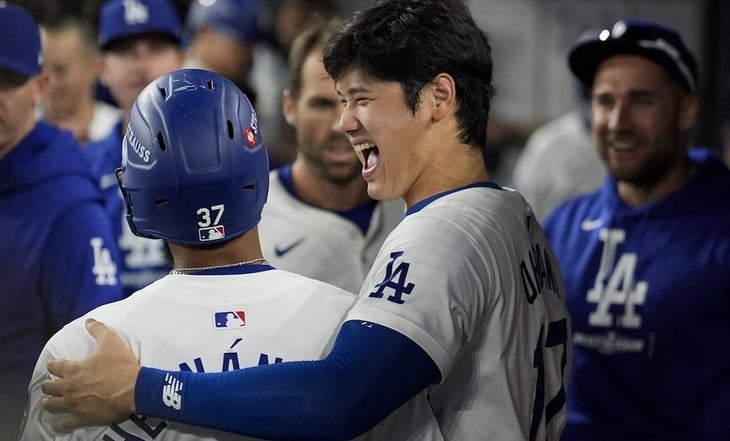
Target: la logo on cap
<point x="135" y="12"/>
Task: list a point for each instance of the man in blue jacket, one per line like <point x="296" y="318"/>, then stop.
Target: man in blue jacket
<point x="646" y="258"/>
<point x="59" y="255"/>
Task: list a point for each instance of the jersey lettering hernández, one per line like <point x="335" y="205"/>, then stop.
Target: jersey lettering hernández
<point x="468" y="275"/>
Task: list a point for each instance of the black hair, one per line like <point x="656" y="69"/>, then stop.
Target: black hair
<point x="411" y="42"/>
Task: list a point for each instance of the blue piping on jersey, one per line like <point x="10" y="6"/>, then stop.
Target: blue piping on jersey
<point x="360" y="215"/>
<point x="419" y="205"/>
<point x="231" y="270"/>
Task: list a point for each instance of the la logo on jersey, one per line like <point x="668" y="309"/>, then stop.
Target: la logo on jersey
<point x="229" y="319"/>
<point x="104" y="268"/>
<point x="395" y="280"/>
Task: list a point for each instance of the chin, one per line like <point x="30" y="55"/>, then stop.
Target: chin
<point x="381" y="194"/>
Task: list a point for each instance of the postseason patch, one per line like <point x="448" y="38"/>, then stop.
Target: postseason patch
<point x="211" y="233"/>
<point x="229" y="319"/>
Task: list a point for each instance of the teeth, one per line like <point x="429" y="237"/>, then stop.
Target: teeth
<point x="623" y="145"/>
<point x="363" y="146"/>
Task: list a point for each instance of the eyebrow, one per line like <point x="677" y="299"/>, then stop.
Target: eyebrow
<point x="353" y="91"/>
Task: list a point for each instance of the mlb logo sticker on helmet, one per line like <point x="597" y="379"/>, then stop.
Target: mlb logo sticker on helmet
<point x="212" y="233"/>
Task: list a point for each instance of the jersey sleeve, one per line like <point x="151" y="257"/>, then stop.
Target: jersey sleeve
<point x="37" y="423"/>
<point x="79" y="268"/>
<point x="430" y="282"/>
<point x="71" y="342"/>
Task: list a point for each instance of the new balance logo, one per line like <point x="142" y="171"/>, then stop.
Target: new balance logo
<point x="171" y="392"/>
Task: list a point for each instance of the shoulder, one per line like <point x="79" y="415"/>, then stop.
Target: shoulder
<point x="468" y="220"/>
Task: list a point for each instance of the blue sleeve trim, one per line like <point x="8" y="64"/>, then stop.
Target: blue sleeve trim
<point x="336" y="398"/>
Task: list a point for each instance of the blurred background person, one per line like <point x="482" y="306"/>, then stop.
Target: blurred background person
<point x="281" y="21"/>
<point x="60" y="257"/>
<point x="222" y="35"/>
<point x="559" y="160"/>
<point x="139" y="40"/>
<point x="71" y="60"/>
<point x="645" y="258"/>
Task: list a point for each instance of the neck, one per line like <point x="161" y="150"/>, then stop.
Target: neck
<point x="320" y="192"/>
<point x="450" y="168"/>
<point x="244" y="248"/>
<point x="76" y="118"/>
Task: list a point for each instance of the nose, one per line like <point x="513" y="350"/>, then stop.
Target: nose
<point x="335" y="127"/>
<point x="619" y="117"/>
<point x="347" y="121"/>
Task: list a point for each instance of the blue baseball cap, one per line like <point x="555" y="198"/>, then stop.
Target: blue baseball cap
<point x="653" y="41"/>
<point x="125" y="18"/>
<point x="237" y="18"/>
<point x="20" y="41"/>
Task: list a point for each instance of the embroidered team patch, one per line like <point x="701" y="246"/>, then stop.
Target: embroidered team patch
<point x="229" y="319"/>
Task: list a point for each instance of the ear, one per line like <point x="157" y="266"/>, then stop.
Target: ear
<point x="289" y="107"/>
<point x="688" y="112"/>
<point x="103" y="71"/>
<point x="40" y="86"/>
<point x="96" y="65"/>
<point x="443" y="89"/>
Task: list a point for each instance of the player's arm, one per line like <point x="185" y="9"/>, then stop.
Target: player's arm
<point x="370" y="372"/>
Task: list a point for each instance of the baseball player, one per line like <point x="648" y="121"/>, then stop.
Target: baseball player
<point x="319" y="220"/>
<point x="139" y="40"/>
<point x="195" y="174"/>
<point x="646" y="257"/>
<point x="59" y="258"/>
<point x="464" y="301"/>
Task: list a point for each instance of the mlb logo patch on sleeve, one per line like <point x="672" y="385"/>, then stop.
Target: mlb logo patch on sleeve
<point x="229" y="319"/>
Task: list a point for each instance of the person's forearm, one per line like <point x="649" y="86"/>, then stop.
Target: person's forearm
<point x="335" y="398"/>
<point x="278" y="404"/>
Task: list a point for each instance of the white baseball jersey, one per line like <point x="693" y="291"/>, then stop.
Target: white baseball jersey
<point x="320" y="244"/>
<point x="201" y="323"/>
<point x="207" y="323"/>
<point x="470" y="277"/>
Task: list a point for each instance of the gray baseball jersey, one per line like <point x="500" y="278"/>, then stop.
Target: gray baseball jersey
<point x="470" y="277"/>
<point x="320" y="244"/>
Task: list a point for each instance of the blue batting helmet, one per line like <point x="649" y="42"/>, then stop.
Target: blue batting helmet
<point x="194" y="165"/>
